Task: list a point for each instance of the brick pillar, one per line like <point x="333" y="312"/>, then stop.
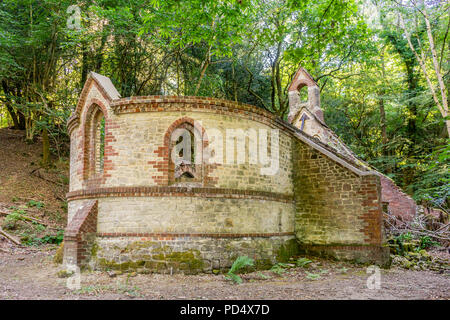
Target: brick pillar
<point x="80" y="235"/>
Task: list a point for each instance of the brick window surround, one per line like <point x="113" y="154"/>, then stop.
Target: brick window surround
<point x="93" y="171"/>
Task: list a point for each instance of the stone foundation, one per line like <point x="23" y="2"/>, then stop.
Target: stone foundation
<point x="357" y="253"/>
<point x="188" y="254"/>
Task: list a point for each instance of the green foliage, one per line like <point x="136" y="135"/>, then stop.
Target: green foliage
<point x="30" y="240"/>
<point x="409" y="242"/>
<point x="303" y="262"/>
<point x="263" y="276"/>
<point x="426" y="242"/>
<point x="37" y="204"/>
<point x="240" y="263"/>
<point x="53" y="239"/>
<point x="343" y="270"/>
<point x="434" y="184"/>
<point x="404" y="237"/>
<point x="13" y="217"/>
<point x="312" y="276"/>
<point x="279" y="268"/>
<point x="373" y="92"/>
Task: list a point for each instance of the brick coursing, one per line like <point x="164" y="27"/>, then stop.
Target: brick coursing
<point x="203" y="192"/>
<point x="399" y="204"/>
<point x="165" y="167"/>
<point x="173" y="236"/>
<point x="90" y="179"/>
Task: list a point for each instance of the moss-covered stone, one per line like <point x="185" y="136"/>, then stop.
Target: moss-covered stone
<point x="94" y="250"/>
<point x="184" y="260"/>
<point x="64" y="274"/>
<point x="263" y="264"/>
<point x="287" y="250"/>
<point x="59" y="254"/>
<point x="140" y="245"/>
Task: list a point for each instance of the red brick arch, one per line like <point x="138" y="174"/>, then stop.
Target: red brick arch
<point x="166" y="166"/>
<point x="90" y="114"/>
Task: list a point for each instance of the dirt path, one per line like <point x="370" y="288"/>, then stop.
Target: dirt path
<point x="31" y="274"/>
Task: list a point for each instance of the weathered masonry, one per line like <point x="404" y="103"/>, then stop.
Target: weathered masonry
<point x="132" y="207"/>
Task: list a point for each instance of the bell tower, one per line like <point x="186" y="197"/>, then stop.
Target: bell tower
<point x="305" y="115"/>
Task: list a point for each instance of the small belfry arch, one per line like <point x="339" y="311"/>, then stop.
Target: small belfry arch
<point x="94" y="142"/>
<point x="304" y="92"/>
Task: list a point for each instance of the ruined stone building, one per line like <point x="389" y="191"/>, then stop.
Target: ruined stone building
<point x="131" y="206"/>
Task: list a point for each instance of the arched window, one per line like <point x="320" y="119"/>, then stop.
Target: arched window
<point x="94" y="136"/>
<point x="185" y="155"/>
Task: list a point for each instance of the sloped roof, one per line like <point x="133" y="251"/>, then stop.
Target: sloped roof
<point x="104" y="84"/>
<point x="107" y="85"/>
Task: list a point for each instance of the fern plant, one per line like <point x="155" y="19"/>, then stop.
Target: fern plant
<point x="303" y="262"/>
<point x="279" y="268"/>
<point x="238" y="264"/>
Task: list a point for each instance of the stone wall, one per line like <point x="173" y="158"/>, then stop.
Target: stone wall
<point x="134" y="141"/>
<point x="194" y="215"/>
<point x="399" y="203"/>
<point x="138" y="160"/>
<point x="338" y="211"/>
<point x="189" y="254"/>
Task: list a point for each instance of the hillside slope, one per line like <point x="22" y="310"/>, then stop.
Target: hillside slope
<point x="28" y="190"/>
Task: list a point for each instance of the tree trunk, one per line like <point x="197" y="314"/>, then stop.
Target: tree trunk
<point x="384" y="138"/>
<point x="13" y="117"/>
<point x="45" y="148"/>
<point x="234" y="82"/>
<point x="202" y="73"/>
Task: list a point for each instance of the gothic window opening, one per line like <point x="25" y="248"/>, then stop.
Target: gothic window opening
<point x="94" y="143"/>
<point x="100" y="146"/>
<point x="185" y="163"/>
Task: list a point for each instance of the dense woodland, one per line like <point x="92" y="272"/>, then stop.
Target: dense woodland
<point x="382" y="67"/>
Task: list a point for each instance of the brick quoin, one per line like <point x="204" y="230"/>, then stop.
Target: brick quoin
<point x="373" y="218"/>
<point x="79" y="233"/>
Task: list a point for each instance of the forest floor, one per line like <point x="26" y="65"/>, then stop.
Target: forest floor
<point x="28" y="271"/>
<point x="23" y="180"/>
